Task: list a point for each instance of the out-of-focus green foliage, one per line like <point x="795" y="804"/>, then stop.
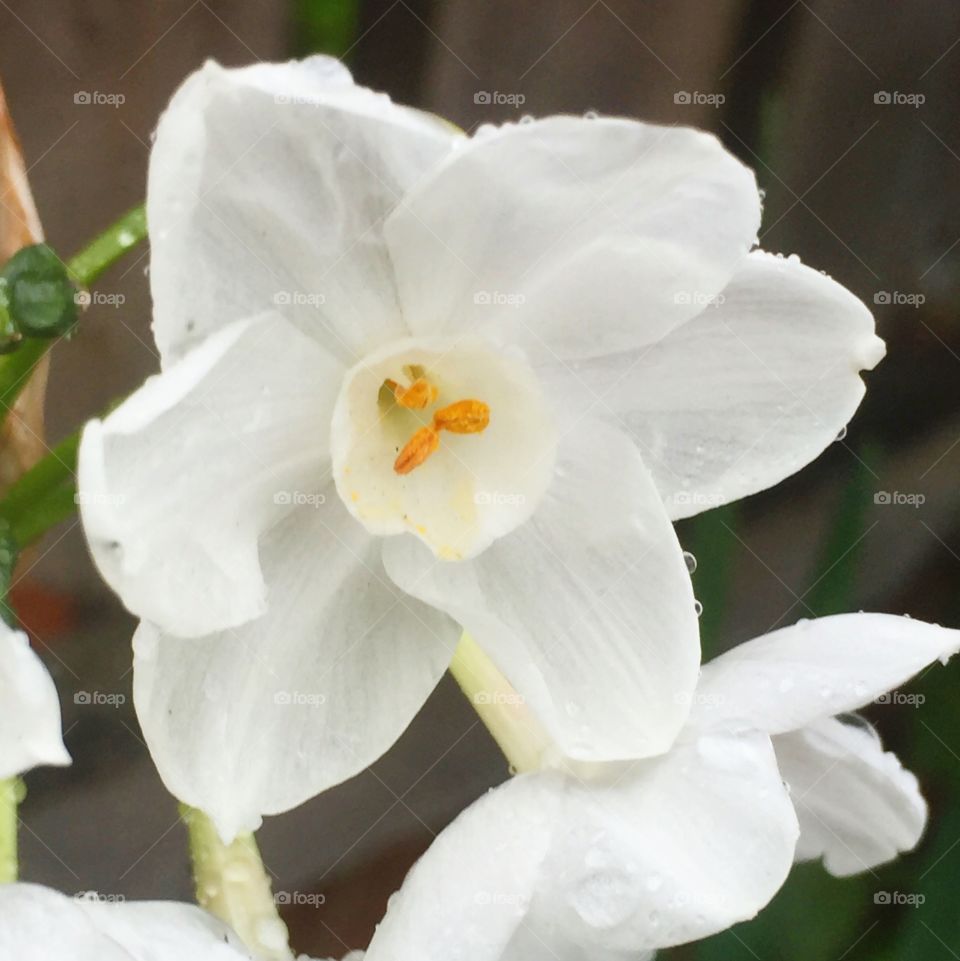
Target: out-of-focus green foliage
<point x="324" y="26"/>
<point x="712" y="538"/>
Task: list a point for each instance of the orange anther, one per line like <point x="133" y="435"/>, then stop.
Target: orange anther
<point x="423" y="443"/>
<point x="463" y="417"/>
<point x="421" y="393"/>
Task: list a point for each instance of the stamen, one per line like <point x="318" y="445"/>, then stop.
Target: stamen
<point x="423" y="443"/>
<point x="421" y="393"/>
<point x="463" y="417"/>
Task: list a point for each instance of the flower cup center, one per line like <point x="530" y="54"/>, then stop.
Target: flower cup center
<point x="452" y="442"/>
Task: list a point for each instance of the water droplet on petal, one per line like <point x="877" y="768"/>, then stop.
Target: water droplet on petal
<point x="842" y="434"/>
<point x="698" y="607"/>
<point x="690" y="560"/>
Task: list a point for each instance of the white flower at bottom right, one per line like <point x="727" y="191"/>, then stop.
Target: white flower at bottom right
<point x="606" y="861"/>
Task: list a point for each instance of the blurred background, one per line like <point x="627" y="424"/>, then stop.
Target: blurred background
<point x="847" y="110"/>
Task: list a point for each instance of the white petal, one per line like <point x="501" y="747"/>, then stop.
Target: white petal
<point x="30" y="714"/>
<point x="469" y="895"/>
<point x="475" y="487"/>
<point x="675" y="848"/>
<point x="747" y="393"/>
<point x="179" y="481"/>
<point x="587" y="608"/>
<point x="39" y="924"/>
<point x="787" y="679"/>
<point x="573" y="236"/>
<point x="268" y="186"/>
<point x="641" y="857"/>
<point x="856" y="804"/>
<point x="256" y="720"/>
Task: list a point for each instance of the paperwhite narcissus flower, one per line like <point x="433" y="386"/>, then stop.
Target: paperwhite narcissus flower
<point x="29" y="709"/>
<point x="413" y="380"/>
<point x="604" y="861"/>
<point x="39" y="924"/>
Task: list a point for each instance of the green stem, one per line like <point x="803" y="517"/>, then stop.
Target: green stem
<point x="44" y="496"/>
<point x="104" y="250"/>
<point x="231" y="884"/>
<point x="11" y="793"/>
<point x="85" y="267"/>
<point x="512" y="724"/>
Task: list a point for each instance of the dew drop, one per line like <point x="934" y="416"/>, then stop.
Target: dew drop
<point x="843" y="433"/>
<point x="591" y="115"/>
<point x="691" y="561"/>
<point x="698" y="607"/>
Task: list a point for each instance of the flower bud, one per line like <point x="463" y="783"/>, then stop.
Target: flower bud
<point x="37" y="298"/>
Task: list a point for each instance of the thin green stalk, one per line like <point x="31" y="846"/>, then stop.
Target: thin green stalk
<point x="231" y="884"/>
<point x="85" y="267"/>
<point x="104" y="250"/>
<point x="44" y="496"/>
<point x="11" y="794"/>
<point x="511" y="723"/>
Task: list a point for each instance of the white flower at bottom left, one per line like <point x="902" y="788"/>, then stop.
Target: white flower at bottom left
<point x="38" y="924"/>
<point x="29" y="709"/>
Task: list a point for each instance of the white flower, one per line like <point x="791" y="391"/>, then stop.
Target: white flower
<point x="574" y="302"/>
<point x="39" y="924"/>
<point x="29" y="709"/>
<point x="608" y="860"/>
